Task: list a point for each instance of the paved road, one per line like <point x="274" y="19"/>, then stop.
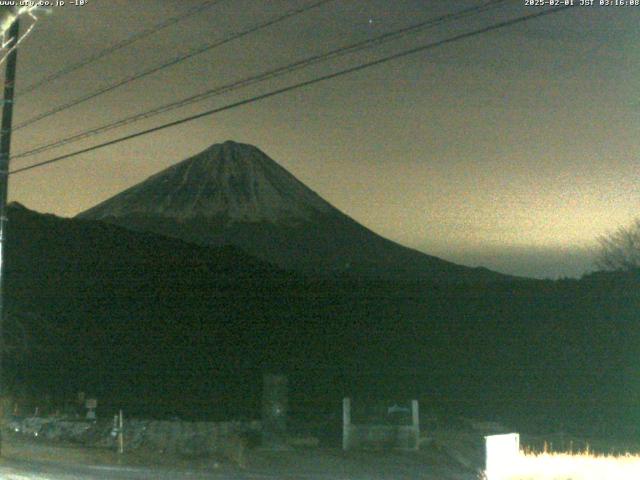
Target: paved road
<point x="30" y="460"/>
<point x="32" y="470"/>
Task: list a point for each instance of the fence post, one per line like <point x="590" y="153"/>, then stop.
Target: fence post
<point x="346" y="423"/>
<point x="415" y="421"/>
<point x="120" y="433"/>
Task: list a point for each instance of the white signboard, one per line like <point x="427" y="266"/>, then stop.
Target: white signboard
<point x="502" y="452"/>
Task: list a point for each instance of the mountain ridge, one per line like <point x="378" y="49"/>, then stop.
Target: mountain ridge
<point x="235" y="194"/>
<point x="229" y="178"/>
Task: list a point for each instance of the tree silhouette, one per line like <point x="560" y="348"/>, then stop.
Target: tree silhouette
<point x="620" y="250"/>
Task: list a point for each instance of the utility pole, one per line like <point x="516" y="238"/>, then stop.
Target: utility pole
<point x="5" y="150"/>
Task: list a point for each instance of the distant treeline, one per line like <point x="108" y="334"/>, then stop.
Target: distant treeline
<point x="138" y="319"/>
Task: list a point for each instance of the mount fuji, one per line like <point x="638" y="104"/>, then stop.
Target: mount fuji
<point x="234" y="194"/>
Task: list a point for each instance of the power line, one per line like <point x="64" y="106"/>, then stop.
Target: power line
<point x="355" y="47"/>
<point x="118" y="46"/>
<point x="299" y="85"/>
<point x="170" y="63"/>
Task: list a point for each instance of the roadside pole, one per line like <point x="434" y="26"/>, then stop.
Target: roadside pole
<point x="120" y="433"/>
<point x="5" y="150"/>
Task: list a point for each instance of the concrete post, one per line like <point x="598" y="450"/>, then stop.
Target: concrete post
<point x="346" y="424"/>
<point x="120" y="433"/>
<point x="415" y="421"/>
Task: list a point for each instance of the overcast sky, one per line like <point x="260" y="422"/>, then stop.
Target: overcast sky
<point x="514" y="149"/>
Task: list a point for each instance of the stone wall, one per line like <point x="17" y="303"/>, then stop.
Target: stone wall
<point x="180" y="437"/>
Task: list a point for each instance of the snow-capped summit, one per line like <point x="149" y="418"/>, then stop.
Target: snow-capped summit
<point x="234" y="194"/>
<point x="233" y="180"/>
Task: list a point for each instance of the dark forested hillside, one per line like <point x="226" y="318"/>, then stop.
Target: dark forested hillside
<point x="156" y="324"/>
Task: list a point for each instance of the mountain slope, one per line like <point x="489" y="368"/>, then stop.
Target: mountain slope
<point x="156" y="325"/>
<point x="234" y="194"/>
<point x="96" y="307"/>
<point x="228" y="180"/>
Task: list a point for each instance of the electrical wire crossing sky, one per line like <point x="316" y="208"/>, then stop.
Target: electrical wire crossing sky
<point x="497" y="146"/>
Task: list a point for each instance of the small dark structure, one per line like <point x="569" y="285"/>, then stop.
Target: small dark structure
<point x="391" y="432"/>
<point x="274" y="409"/>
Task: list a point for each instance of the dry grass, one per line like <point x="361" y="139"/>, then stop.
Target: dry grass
<point x="573" y="466"/>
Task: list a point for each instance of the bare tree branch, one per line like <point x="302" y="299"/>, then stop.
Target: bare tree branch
<point x="620" y="250"/>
